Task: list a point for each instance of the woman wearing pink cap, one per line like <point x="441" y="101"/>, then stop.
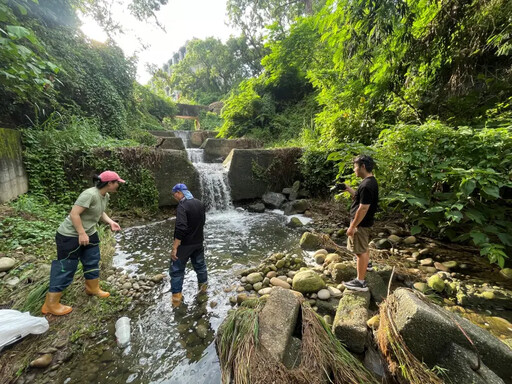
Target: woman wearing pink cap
<point x="77" y="239"/>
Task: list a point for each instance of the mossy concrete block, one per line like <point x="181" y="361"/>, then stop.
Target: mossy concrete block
<point x="253" y="172"/>
<point x="429" y="332"/>
<point x="349" y="325"/>
<point x="277" y="320"/>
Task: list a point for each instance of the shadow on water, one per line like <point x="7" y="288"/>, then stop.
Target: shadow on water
<point x="175" y="345"/>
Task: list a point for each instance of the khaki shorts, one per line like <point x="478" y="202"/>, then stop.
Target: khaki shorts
<point x="359" y="242"/>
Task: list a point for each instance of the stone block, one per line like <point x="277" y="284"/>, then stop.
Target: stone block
<point x="277" y="321"/>
<point x="245" y="184"/>
<point x="429" y="332"/>
<point x="349" y="325"/>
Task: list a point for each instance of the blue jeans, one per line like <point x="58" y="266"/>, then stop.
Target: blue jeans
<point x="69" y="252"/>
<point x="177" y="270"/>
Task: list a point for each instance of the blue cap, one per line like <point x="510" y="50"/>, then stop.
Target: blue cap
<point x="179" y="187"/>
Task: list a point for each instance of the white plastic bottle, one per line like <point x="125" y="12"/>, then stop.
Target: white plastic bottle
<point x="123" y="331"/>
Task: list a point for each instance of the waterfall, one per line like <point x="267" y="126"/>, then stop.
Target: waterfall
<point x="213" y="177"/>
<point x="185" y="136"/>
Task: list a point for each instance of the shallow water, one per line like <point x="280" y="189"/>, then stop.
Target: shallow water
<point x="166" y="346"/>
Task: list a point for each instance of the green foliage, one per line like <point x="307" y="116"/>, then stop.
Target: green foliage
<point x="62" y="155"/>
<point x="453" y="183"/>
<point x="26" y="71"/>
<point x="318" y="171"/>
<point x="148" y="103"/>
<point x="210" y="121"/>
<point x="35" y="222"/>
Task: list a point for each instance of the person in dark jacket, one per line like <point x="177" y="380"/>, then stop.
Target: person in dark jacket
<point x="188" y="242"/>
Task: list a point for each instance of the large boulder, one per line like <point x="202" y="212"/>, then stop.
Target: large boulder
<point x="277" y="321"/>
<point x="215" y="149"/>
<point x="349" y="325"/>
<point x="171" y="143"/>
<point x="174" y="167"/>
<point x="342" y="272"/>
<point x="310" y="241"/>
<point x="197" y="138"/>
<point x="307" y="282"/>
<point x="252" y="172"/>
<point x="273" y="200"/>
<point x="430" y="332"/>
<point x="296" y="206"/>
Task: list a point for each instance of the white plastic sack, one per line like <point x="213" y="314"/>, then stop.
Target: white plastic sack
<point x="15" y="325"/>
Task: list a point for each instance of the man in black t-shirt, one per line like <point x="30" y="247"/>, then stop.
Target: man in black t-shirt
<point x="362" y="212"/>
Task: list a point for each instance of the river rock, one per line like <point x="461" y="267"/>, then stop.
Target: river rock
<point x="42" y="362"/>
<point x="310" y="241"/>
<point x="202" y="331"/>
<point x="294" y="190"/>
<point x="257" y="208"/>
<point x="422" y="287"/>
<point x="383" y="244"/>
<point x="335" y="292"/>
<point x="273" y="200"/>
<point x="157" y="278"/>
<point x="307" y="282"/>
<point x="377" y="286"/>
<point x="319" y="258"/>
<point x="440" y="267"/>
<point x="6" y="263"/>
<point x="280" y="263"/>
<point x="450" y="264"/>
<point x="332" y="258"/>
<point x="394" y="239"/>
<point x="295" y="223"/>
<point x="426" y="262"/>
<point x="275" y="281"/>
<point x="126" y="286"/>
<point x="13" y="281"/>
<point x="254" y="277"/>
<point x="436" y="283"/>
<point x="342" y="272"/>
<point x="257" y="286"/>
<point x="265" y="291"/>
<point x="324" y="294"/>
<point x="297" y="206"/>
<point x="507" y="272"/>
<point x="410" y="240"/>
<point x="271" y="274"/>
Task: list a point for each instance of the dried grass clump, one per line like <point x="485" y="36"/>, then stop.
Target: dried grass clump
<point x="244" y="361"/>
<point x="405" y="367"/>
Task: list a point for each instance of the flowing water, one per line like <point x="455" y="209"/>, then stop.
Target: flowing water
<point x="175" y="345"/>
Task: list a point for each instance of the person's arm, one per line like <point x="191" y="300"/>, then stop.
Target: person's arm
<point x="74" y="215"/>
<point x="180" y="231"/>
<point x="113" y="225"/>
<point x="359" y="216"/>
<point x="350" y="190"/>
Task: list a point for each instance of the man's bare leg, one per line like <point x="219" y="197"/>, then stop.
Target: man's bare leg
<point x="362" y="264"/>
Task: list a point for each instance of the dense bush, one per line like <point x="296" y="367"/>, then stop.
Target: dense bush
<point x="62" y="155"/>
<point x="455" y="183"/>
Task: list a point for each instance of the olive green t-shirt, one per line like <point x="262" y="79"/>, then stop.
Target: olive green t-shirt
<point x="95" y="205"/>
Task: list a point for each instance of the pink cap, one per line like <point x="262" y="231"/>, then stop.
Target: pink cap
<point x="110" y="176"/>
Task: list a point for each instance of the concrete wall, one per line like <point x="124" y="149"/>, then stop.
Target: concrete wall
<point x="280" y="168"/>
<point x="215" y="149"/>
<point x="13" y="178"/>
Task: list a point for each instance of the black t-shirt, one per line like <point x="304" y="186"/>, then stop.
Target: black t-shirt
<point x="367" y="193"/>
<point x="190" y="219"/>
